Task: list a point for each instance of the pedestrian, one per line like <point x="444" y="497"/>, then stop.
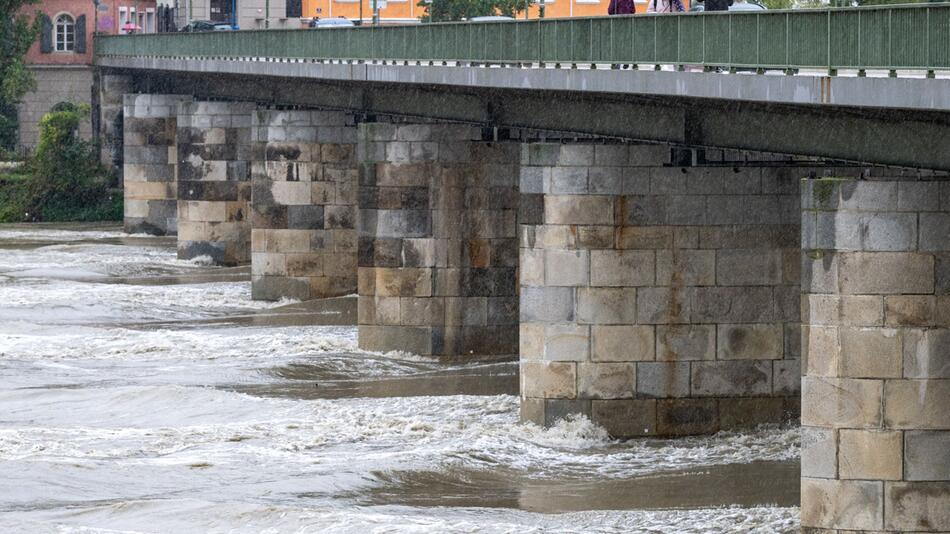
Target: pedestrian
<point x="665" y="6"/>
<point x="621" y="7"/>
<point x="717" y="5"/>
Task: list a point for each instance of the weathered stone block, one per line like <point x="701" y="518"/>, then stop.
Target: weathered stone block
<point x="750" y="412"/>
<point x="750" y="341"/>
<point x="821" y="351"/>
<point x="917" y="506"/>
<point x="566" y="268"/>
<point x="681" y="267"/>
<point x="566" y="342"/>
<point x="869" y="454"/>
<point x="621" y="268"/>
<point x="576" y="155"/>
<point x="682" y="417"/>
<point x="622" y="343"/>
<point x="414" y="340"/>
<point x="737" y="267"/>
<point x="731" y="304"/>
<point x="625" y="418"/>
<point x="731" y="378"/>
<point x="910" y="310"/>
<point x="568" y="180"/>
<point x="841" y="402"/>
<point x="886" y="273"/>
<point x="846" y="310"/>
<point x="926" y="353"/>
<point x="686" y="342"/>
<point x="606" y="305"/>
<point x="787" y="377"/>
<point x="645" y="237"/>
<point x="819" y="452"/>
<point x="663" y="379"/>
<point x="578" y="210"/>
<point x="927" y="455"/>
<point x="935" y="231"/>
<point x="870" y="353"/>
<point x="547" y="304"/>
<point x="918" y="196"/>
<point x="663" y="305"/>
<point x="606" y="380"/>
<point x="917" y="404"/>
<point x="850" y="504"/>
<point x="549" y="380"/>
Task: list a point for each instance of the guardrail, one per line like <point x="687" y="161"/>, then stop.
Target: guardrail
<point x="913" y="36"/>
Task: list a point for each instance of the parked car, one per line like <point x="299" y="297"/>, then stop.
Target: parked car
<point x="337" y="22"/>
<point x="736" y="6"/>
<point x="206" y="26"/>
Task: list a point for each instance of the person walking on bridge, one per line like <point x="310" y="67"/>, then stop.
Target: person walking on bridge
<point x="621" y="7"/>
<point x="665" y="6"/>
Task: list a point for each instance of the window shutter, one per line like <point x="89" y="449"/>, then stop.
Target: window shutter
<point x="294" y="9"/>
<point x="46" y="34"/>
<point x="81" y="34"/>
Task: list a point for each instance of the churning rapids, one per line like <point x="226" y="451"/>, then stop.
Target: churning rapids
<point x="140" y="393"/>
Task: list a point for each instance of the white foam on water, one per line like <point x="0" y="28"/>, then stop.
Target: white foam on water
<point x="112" y="428"/>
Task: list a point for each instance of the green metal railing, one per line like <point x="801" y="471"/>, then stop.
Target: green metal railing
<point x="914" y="36"/>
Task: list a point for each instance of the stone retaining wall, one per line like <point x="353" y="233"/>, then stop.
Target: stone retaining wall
<point x="214" y="181"/>
<point x="303" y="240"/>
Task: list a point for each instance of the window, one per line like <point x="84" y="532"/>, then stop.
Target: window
<point x="65" y="34"/>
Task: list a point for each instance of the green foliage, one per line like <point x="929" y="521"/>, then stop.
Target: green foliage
<point x="449" y="10"/>
<point x="65" y="181"/>
<point x="18" y="31"/>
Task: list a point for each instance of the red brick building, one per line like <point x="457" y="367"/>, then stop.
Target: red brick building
<point x="61" y="59"/>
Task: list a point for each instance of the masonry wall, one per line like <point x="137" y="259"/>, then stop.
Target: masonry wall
<point x="876" y="390"/>
<point x="655" y="299"/>
<point x="54" y="84"/>
<point x="214" y="181"/>
<point x="438" y="248"/>
<point x="149" y="163"/>
<point x="304" y="209"/>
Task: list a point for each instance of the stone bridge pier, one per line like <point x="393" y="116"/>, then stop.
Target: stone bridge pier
<point x="150" y="123"/>
<point x="303" y="217"/>
<point x="438" y="246"/>
<point x="657" y="299"/>
<point x="214" y="152"/>
<point x="876" y="385"/>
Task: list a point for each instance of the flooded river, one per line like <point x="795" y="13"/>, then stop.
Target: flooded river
<point x="140" y="393"/>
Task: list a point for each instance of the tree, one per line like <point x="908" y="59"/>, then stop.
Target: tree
<point x="18" y="31"/>
<point x="449" y="10"/>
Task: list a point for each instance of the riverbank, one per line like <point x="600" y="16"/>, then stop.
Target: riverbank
<point x="23" y="198"/>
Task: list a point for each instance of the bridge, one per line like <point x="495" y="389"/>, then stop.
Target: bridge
<point x="668" y="249"/>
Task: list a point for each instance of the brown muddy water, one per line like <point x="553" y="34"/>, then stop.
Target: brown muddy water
<point x="140" y="393"/>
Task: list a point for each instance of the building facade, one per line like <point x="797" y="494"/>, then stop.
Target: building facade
<point x="61" y="59"/>
<point x="405" y="11"/>
<point x="243" y="14"/>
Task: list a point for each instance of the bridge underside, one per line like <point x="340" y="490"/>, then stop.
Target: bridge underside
<point x="883" y="136"/>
